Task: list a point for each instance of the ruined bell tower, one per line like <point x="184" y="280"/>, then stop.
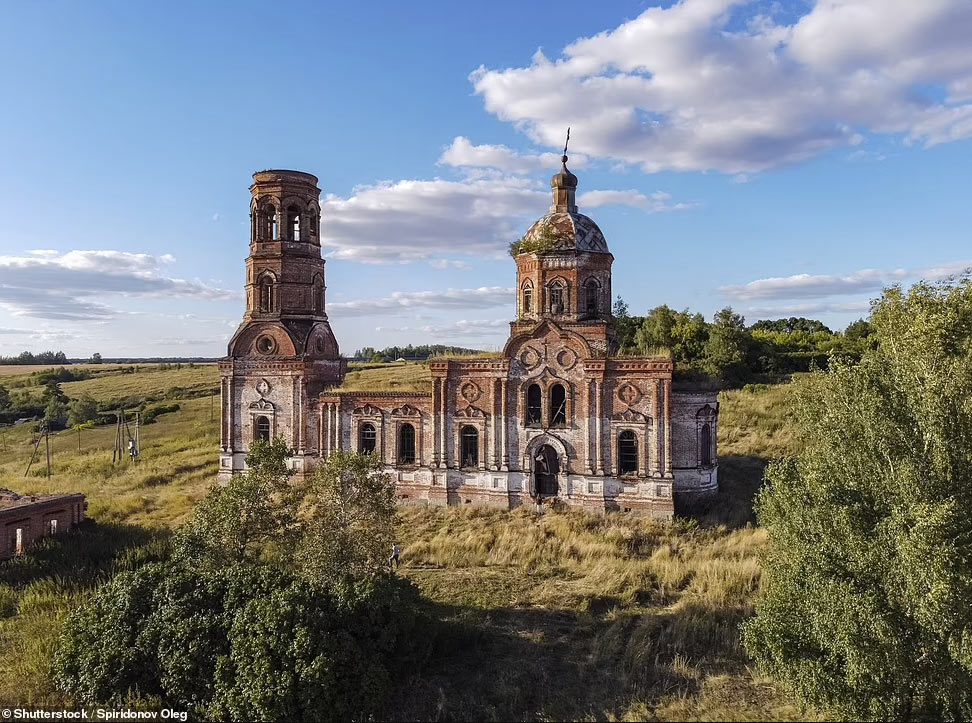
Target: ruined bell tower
<point x="284" y="353"/>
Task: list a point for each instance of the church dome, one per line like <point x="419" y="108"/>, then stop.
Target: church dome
<point x="563" y="228"/>
<point x="562" y="231"/>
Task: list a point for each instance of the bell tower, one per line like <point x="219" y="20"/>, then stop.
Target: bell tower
<point x="284" y="353"/>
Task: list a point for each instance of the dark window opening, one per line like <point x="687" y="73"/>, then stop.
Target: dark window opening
<point x="266" y="295"/>
<point x="591" y="301"/>
<point x="406" y="444"/>
<point x="469" y="454"/>
<point x="558" y="406"/>
<point x="534" y="404"/>
<point x="705" y="441"/>
<point x="627" y="453"/>
<point x="366" y="438"/>
<point x="556" y="298"/>
<point x="527" y="300"/>
<point x="318" y="296"/>
<point x="293" y="223"/>
<point x="270" y="223"/>
<point x="262" y="429"/>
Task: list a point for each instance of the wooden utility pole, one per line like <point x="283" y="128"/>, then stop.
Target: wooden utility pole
<point x="47" y="446"/>
<point x="32" y="455"/>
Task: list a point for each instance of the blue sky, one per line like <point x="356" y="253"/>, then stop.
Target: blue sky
<point x="782" y="158"/>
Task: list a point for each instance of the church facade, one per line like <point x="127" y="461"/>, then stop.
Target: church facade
<point x="558" y="414"/>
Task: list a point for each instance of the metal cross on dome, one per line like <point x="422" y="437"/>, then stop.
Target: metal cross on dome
<point x="567" y="141"/>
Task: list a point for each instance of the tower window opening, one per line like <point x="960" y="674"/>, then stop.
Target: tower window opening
<point x="293" y="223"/>
<point x="534" y="404"/>
<point x="469" y="454"/>
<point x="366" y="438"/>
<point x="527" y="299"/>
<point x="318" y="296"/>
<point x="705" y="442"/>
<point x="591" y="296"/>
<point x="268" y="223"/>
<point x="627" y="453"/>
<point x="406" y="444"/>
<point x="267" y="295"/>
<point x="558" y="406"/>
<point x="556" y="298"/>
<point x="262" y="429"/>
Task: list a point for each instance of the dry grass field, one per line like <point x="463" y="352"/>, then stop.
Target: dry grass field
<point x="572" y="616"/>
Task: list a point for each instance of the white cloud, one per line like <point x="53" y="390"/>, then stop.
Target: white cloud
<point x="689" y="88"/>
<point x="463" y="154"/>
<point x="403" y="301"/>
<point x="650" y="203"/>
<point x="475" y="328"/>
<point x="801" y="286"/>
<point x="72" y="285"/>
<point x="444" y="264"/>
<point x="408" y="220"/>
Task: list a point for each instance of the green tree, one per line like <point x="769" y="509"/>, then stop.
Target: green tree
<point x="55" y="410"/>
<point x="656" y="330"/>
<point x="350" y="518"/>
<point x="726" y="348"/>
<point x="625" y="325"/>
<point x="96" y="358"/>
<point x="865" y="606"/>
<point x="5" y="403"/>
<point x="237" y="521"/>
<point x="82" y="410"/>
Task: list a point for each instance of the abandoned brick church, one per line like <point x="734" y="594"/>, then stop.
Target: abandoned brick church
<point x="558" y="413"/>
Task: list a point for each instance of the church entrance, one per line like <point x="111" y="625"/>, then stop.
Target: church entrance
<point x="545" y="469"/>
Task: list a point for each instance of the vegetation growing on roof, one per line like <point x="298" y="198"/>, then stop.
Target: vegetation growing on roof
<point x="544" y="240"/>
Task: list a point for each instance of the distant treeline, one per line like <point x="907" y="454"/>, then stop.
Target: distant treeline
<point x="410" y="352"/>
<point x="45" y="357"/>
<point x="730" y="352"/>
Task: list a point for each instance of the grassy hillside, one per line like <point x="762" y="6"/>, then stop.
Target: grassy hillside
<point x="574" y="616"/>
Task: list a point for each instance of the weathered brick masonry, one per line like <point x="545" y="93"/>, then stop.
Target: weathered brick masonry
<point x="557" y="414"/>
<point x="27" y="518"/>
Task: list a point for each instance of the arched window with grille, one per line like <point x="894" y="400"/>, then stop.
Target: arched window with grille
<point x="366" y="438"/>
<point x="556" y="298"/>
<point x="558" y="406"/>
<point x="261" y="429"/>
<point x="527" y="306"/>
<point x="627" y="452"/>
<point x="534" y="405"/>
<point x="469" y="446"/>
<point x="406" y="444"/>
<point x="705" y="442"/>
<point x="591" y="293"/>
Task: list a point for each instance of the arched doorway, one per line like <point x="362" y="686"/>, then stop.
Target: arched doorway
<point x="546" y="466"/>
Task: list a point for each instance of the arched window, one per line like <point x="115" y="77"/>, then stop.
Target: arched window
<point x="366" y="438"/>
<point x="627" y="453"/>
<point x="406" y="444"/>
<point x="705" y="441"/>
<point x="261" y="429"/>
<point x="293" y="223"/>
<point x="558" y="406"/>
<point x="318" y="295"/>
<point x="267" y="294"/>
<point x="556" y="298"/>
<point x="534" y="404"/>
<point x="590" y="296"/>
<point x="269" y="230"/>
<point x="469" y="443"/>
<point x="527" y="306"/>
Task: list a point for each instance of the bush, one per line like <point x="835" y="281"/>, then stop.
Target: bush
<point x="149" y="415"/>
<point x="241" y="643"/>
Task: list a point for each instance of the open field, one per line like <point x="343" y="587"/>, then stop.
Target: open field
<point x="573" y="616"/>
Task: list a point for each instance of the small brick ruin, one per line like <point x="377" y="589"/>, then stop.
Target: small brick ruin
<point x="557" y="414"/>
<point x="27" y="518"/>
